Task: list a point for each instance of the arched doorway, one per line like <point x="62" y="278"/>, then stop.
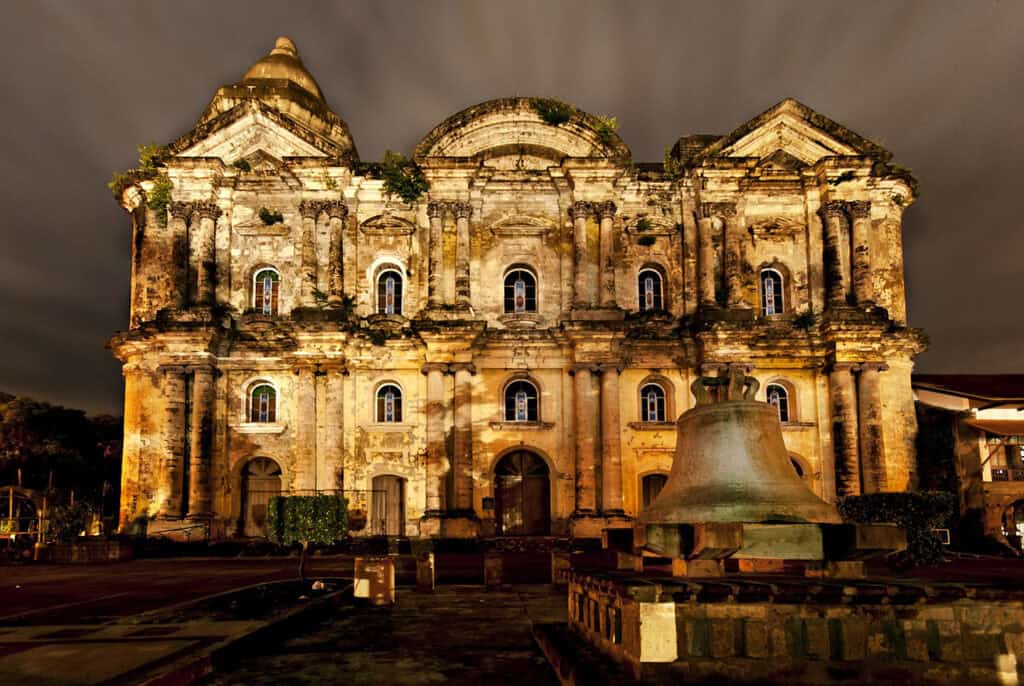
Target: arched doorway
<point x="522" y="495"/>
<point x="388" y="508"/>
<point x="650" y="487"/>
<point x="261" y="481"/>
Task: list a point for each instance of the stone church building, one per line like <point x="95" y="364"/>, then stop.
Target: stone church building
<point x="506" y="352"/>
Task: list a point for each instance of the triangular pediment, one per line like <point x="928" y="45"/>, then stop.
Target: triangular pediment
<point x="248" y="132"/>
<point x="780" y="160"/>
<point x="790" y="135"/>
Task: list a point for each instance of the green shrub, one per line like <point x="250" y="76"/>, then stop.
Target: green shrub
<point x="307" y="519"/>
<point x="805" y="320"/>
<point x="918" y="513"/>
<point x="159" y="198"/>
<point x="672" y="167"/>
<point x="552" y="110"/>
<point x="270" y="217"/>
<point x="403" y="177"/>
<point x="151" y="158"/>
<point x="67" y="522"/>
<point x="643" y="224"/>
<point x="606" y="129"/>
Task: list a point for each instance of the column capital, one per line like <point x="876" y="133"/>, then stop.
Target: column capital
<point x="455" y="367"/>
<point x="592" y="367"/>
<point x="843" y="367"/>
<point x="305" y="367"/>
<point x="201" y="369"/>
<point x="435" y="209"/>
<point x="442" y="367"/>
<point x="834" y="208"/>
<point x="310" y="209"/>
<point x="336" y="209"/>
<point x="172" y="369"/>
<point x="606" y="209"/>
<point x="859" y="209"/>
<point x="610" y="367"/>
<point x="581" y="209"/>
<point x="181" y="210"/>
<point x="871" y="367"/>
<point x="719" y="209"/>
<point x="460" y="209"/>
<point x="207" y="210"/>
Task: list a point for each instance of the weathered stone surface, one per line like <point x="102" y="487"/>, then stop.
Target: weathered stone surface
<point x="568" y="207"/>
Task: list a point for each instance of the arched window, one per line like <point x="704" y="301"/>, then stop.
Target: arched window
<point x="771" y="292"/>
<point x="520" y="291"/>
<point x="521" y="402"/>
<point x="779" y="397"/>
<point x="652" y="403"/>
<point x="266" y="286"/>
<point x="389" y="291"/>
<point x="389" y="403"/>
<point x="649" y="290"/>
<point x="263" y="403"/>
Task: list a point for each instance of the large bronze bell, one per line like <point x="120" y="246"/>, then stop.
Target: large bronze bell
<point x="731" y="464"/>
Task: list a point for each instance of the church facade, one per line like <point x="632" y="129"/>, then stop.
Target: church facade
<point x="496" y="337"/>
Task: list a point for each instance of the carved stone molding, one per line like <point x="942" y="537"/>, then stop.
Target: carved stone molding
<point x="719" y="209"/>
<point x="859" y="208"/>
<point x="207" y="210"/>
<point x="310" y="209"/>
<point x="871" y="366"/>
<point x="581" y="208"/>
<point x="182" y="210"/>
<point x="442" y="367"/>
<point x="834" y="208"/>
<point x="606" y="209"/>
<point x="435" y="209"/>
<point x="460" y="209"/>
<point x="335" y="209"/>
<point x="462" y="366"/>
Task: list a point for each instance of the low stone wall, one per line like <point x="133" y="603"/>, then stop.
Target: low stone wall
<point x="90" y="551"/>
<point x="800" y="631"/>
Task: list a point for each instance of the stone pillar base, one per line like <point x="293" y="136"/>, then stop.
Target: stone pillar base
<point x="588" y="525"/>
<point x="450" y="524"/>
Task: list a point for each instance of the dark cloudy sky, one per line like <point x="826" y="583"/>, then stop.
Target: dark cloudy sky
<point x="941" y="83"/>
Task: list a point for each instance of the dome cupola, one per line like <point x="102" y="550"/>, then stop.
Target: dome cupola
<point x="283" y="63"/>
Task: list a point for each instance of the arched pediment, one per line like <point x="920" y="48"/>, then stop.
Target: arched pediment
<point x="387" y="224"/>
<point x="512" y="126"/>
<point x="521" y="225"/>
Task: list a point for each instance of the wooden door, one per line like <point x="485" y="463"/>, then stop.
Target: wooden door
<point x="388" y="510"/>
<point x="522" y="495"/>
<point x="261" y="481"/>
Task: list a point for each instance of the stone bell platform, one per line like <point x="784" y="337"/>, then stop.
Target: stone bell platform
<point x="781" y="629"/>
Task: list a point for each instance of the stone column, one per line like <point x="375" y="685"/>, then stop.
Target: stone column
<point x="611" y="448"/>
<point x="860" y="229"/>
<point x="200" y="441"/>
<point x="310" y="210"/>
<point x="606" y="212"/>
<point x="872" y="440"/>
<point x="581" y="288"/>
<point x="586" y="480"/>
<point x="206" y="275"/>
<point x="835" y="276"/>
<point x="733" y="257"/>
<point x="336" y="212"/>
<point x="304" y="421"/>
<point x="181" y="212"/>
<point x="463" y="435"/>
<point x="435" y="211"/>
<point x="706" y="261"/>
<point x="436" y="456"/>
<point x="174" y="441"/>
<point x="844" y="429"/>
<point x="333" y="460"/>
<point x="462" y="210"/>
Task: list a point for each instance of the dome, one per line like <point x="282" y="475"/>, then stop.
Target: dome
<point x="283" y="63"/>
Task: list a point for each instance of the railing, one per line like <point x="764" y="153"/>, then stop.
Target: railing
<point x="1004" y="474"/>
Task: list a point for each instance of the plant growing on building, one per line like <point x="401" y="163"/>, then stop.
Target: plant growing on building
<point x="307" y="520"/>
<point x="270" y="217"/>
<point x="643" y="224"/>
<point x="606" y="128"/>
<point x="552" y="110"/>
<point x="151" y="158"/>
<point x="672" y="167"/>
<point x="403" y="177"/>
<point x="805" y="320"/>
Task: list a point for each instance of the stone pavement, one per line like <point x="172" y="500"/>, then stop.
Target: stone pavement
<point x="457" y="635"/>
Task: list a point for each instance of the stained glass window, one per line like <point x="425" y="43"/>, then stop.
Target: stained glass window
<point x="389" y="403"/>
<point x="771" y="292"/>
<point x="652" y="403"/>
<point x="521" y="402"/>
<point x="520" y="292"/>
<point x="389" y="292"/>
<point x="779" y="397"/>
<point x="650" y="290"/>
<point x="266" y="286"/>
<point x="263" y="404"/>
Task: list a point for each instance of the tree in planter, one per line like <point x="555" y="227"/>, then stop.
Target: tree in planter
<point x="307" y="519"/>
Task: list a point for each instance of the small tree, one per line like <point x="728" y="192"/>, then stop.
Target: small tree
<point x="307" y="519"/>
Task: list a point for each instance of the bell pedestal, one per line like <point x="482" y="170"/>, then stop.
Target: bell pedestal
<point x="586" y="525"/>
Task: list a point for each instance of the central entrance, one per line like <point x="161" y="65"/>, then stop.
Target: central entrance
<point x="522" y="495"/>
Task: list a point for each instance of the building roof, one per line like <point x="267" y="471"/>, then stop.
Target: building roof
<point x="283" y="63"/>
<point x="1006" y="387"/>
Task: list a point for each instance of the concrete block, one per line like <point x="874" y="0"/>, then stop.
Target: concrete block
<point x="761" y="566"/>
<point x="836" y="569"/>
<point x="714" y="541"/>
<point x="698" y="568"/>
<point x="756" y="639"/>
<point x="658" y="632"/>
<point x="723" y="637"/>
<point x="816" y="639"/>
<point x="492" y="570"/>
<point x="782" y="541"/>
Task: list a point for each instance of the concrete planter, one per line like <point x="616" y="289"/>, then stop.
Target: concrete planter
<point x="90" y="551"/>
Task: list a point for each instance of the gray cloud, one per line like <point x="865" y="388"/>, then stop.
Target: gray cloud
<point x="938" y="82"/>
